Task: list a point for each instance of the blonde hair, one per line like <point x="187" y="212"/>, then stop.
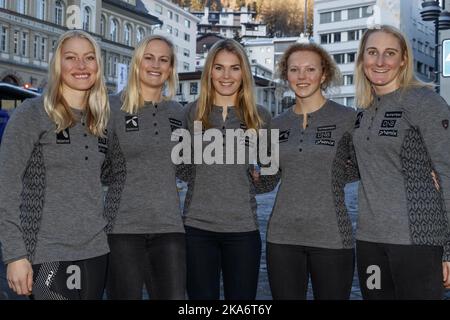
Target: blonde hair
<point x="245" y="98"/>
<point x="132" y="96"/>
<point x="406" y="77"/>
<point x="57" y="107"/>
<point x="329" y="67"/>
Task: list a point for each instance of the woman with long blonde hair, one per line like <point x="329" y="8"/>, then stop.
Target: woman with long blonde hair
<point x="221" y="227"/>
<point x="51" y="197"/>
<point x="146" y="237"/>
<point x="401" y="140"/>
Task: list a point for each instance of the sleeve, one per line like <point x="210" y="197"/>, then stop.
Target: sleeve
<point x="433" y="118"/>
<point x="113" y="176"/>
<point x="266" y="183"/>
<point x="21" y="135"/>
<point x="351" y="170"/>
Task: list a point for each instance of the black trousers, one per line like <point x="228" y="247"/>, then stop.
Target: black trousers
<point x="391" y="271"/>
<point x="236" y="254"/>
<point x="289" y="268"/>
<point x="157" y="260"/>
<point x="70" y="280"/>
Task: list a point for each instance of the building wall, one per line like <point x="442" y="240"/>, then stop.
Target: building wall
<point x="445" y="82"/>
<point x="341" y="35"/>
<point x="180" y="26"/>
<point x="29" y="63"/>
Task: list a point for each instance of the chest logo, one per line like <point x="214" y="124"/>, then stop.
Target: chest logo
<point x="358" y="119"/>
<point x="175" y="124"/>
<point x="387" y="133"/>
<point x="388" y="123"/>
<point x="284" y="136"/>
<point x="323" y="135"/>
<point x="103" y="145"/>
<point x="63" y="137"/>
<point x="131" y="123"/>
<point x="393" y="114"/>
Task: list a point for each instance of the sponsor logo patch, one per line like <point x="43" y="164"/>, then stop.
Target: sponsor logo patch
<point x="387" y="133"/>
<point x="325" y="142"/>
<point x="103" y="145"/>
<point x="63" y="137"/>
<point x="284" y="135"/>
<point x="326" y="128"/>
<point x="358" y="119"/>
<point x="393" y="114"/>
<point x="131" y="123"/>
<point x="388" y="123"/>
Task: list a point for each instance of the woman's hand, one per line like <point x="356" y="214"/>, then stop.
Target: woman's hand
<point x="446" y="274"/>
<point x="20" y="276"/>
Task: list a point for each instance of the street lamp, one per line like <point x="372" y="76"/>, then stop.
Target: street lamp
<point x="432" y="12"/>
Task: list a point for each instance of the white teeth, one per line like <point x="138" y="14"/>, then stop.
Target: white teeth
<point x="81" y="76"/>
<point x="155" y="73"/>
<point x="226" y="84"/>
<point x="302" y="85"/>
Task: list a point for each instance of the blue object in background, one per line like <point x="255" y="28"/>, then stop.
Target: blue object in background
<point x="4" y="117"/>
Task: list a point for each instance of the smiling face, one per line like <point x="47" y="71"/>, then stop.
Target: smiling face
<point x="382" y="62"/>
<point x="305" y="74"/>
<point x="78" y="64"/>
<point x="155" y="67"/>
<point x="226" y="76"/>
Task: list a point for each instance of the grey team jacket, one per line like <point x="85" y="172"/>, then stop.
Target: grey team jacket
<point x="51" y="196"/>
<point x="222" y="197"/>
<point x="399" y="140"/>
<point x="314" y="162"/>
<point x="142" y="196"/>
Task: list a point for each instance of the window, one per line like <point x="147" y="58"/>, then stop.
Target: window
<point x="170" y="14"/>
<point x="185" y="66"/>
<point x="41" y="9"/>
<point x="325" y="17"/>
<point x="353" y="13"/>
<point x="16" y="42"/>
<point x="113" y="30"/>
<point x="4" y="39"/>
<point x="158" y="8"/>
<point x="59" y="9"/>
<point x="187" y="23"/>
<point x="187" y="37"/>
<point x="193" y="88"/>
<point x="350" y="102"/>
<point x="351" y="57"/>
<point x="169" y="29"/>
<point x="36" y="42"/>
<point x="348" y="80"/>
<point x="22" y="6"/>
<point x="367" y="11"/>
<point x="127" y="35"/>
<point x="186" y="53"/>
<point x="24" y="45"/>
<point x="268" y="61"/>
<point x="324" y="38"/>
<point x="420" y="46"/>
<point x="177" y="17"/>
<point x="353" y="35"/>
<point x="2" y="4"/>
<point x="337" y="37"/>
<point x="102" y="25"/>
<point x="140" y="34"/>
<point x="175" y="32"/>
<point x="180" y="89"/>
<point x="87" y="19"/>
<point x="337" y="16"/>
<point x="339" y="58"/>
<point x="44" y="49"/>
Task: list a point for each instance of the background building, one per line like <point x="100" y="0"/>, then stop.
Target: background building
<point x="180" y="26"/>
<point x="29" y="30"/>
<point x="339" y="25"/>
<point x="445" y="82"/>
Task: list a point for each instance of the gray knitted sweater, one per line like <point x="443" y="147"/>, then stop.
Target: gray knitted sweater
<point x="51" y="201"/>
<point x="399" y="140"/>
<point x="310" y="206"/>
<point x="142" y="196"/>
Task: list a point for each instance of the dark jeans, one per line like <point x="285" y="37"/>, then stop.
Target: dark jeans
<point x="74" y="280"/>
<point x="236" y="254"/>
<point x="405" y="271"/>
<point x="289" y="268"/>
<point x="156" y="260"/>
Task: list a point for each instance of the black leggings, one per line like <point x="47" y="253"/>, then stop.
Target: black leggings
<point x="236" y="254"/>
<point x="289" y="268"/>
<point x="157" y="260"/>
<point x="70" y="280"/>
<point x="412" y="272"/>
